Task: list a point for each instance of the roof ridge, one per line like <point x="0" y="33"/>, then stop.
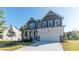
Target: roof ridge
<point x="50" y="12"/>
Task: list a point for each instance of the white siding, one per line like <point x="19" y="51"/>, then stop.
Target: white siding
<point x="15" y="38"/>
<point x="51" y="34"/>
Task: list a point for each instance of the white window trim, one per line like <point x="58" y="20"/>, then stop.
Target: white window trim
<point x="44" y="23"/>
<point x="56" y="22"/>
<point x="49" y="23"/>
<point x="32" y="25"/>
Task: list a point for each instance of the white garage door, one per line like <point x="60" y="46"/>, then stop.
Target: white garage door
<point x="50" y="34"/>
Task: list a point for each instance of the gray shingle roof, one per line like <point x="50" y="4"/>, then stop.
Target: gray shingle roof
<point x="31" y="20"/>
<point x="52" y="15"/>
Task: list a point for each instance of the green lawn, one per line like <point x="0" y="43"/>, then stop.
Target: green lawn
<point x="17" y="45"/>
<point x="71" y="45"/>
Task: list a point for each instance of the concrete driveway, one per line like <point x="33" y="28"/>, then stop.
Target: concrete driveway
<point x="42" y="46"/>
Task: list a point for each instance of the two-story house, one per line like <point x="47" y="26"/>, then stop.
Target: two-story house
<point x="49" y="28"/>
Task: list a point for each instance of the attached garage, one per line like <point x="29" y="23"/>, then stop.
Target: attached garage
<point x="50" y="34"/>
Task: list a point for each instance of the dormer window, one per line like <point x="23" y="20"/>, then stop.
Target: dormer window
<point x="57" y="22"/>
<point x="32" y="26"/>
<point x="50" y="23"/>
<point x="44" y="23"/>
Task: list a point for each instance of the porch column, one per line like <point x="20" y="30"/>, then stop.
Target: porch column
<point x="28" y="34"/>
<point x="33" y="34"/>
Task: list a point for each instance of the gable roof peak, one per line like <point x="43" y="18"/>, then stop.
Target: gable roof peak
<point x="50" y="12"/>
<point x="31" y="20"/>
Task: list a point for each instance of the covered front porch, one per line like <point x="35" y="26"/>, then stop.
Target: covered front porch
<point x="32" y="35"/>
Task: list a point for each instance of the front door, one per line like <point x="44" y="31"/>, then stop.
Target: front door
<point x="31" y="35"/>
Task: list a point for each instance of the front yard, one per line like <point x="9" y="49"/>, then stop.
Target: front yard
<point x="68" y="45"/>
<point x="71" y="45"/>
<point x="7" y="46"/>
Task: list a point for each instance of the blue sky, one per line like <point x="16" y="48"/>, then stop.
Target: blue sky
<point x="18" y="16"/>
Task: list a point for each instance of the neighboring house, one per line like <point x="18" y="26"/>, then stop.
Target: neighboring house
<point x="16" y="37"/>
<point x="49" y="28"/>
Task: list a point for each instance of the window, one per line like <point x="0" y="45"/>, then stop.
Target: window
<point x="44" y="24"/>
<point x="32" y="26"/>
<point x="49" y="23"/>
<point x="39" y="25"/>
<point x="57" y="23"/>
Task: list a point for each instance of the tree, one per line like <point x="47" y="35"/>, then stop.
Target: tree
<point x="1" y="17"/>
<point x="1" y="14"/>
<point x="65" y="35"/>
<point x="11" y="33"/>
<point x="75" y="35"/>
<point x="68" y="35"/>
<point x="1" y="20"/>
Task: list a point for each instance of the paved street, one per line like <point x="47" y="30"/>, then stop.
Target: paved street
<point x="42" y="46"/>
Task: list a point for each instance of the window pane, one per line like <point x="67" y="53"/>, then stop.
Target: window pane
<point x="57" y="23"/>
<point x="32" y="26"/>
<point x="44" y="24"/>
<point x="49" y="23"/>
